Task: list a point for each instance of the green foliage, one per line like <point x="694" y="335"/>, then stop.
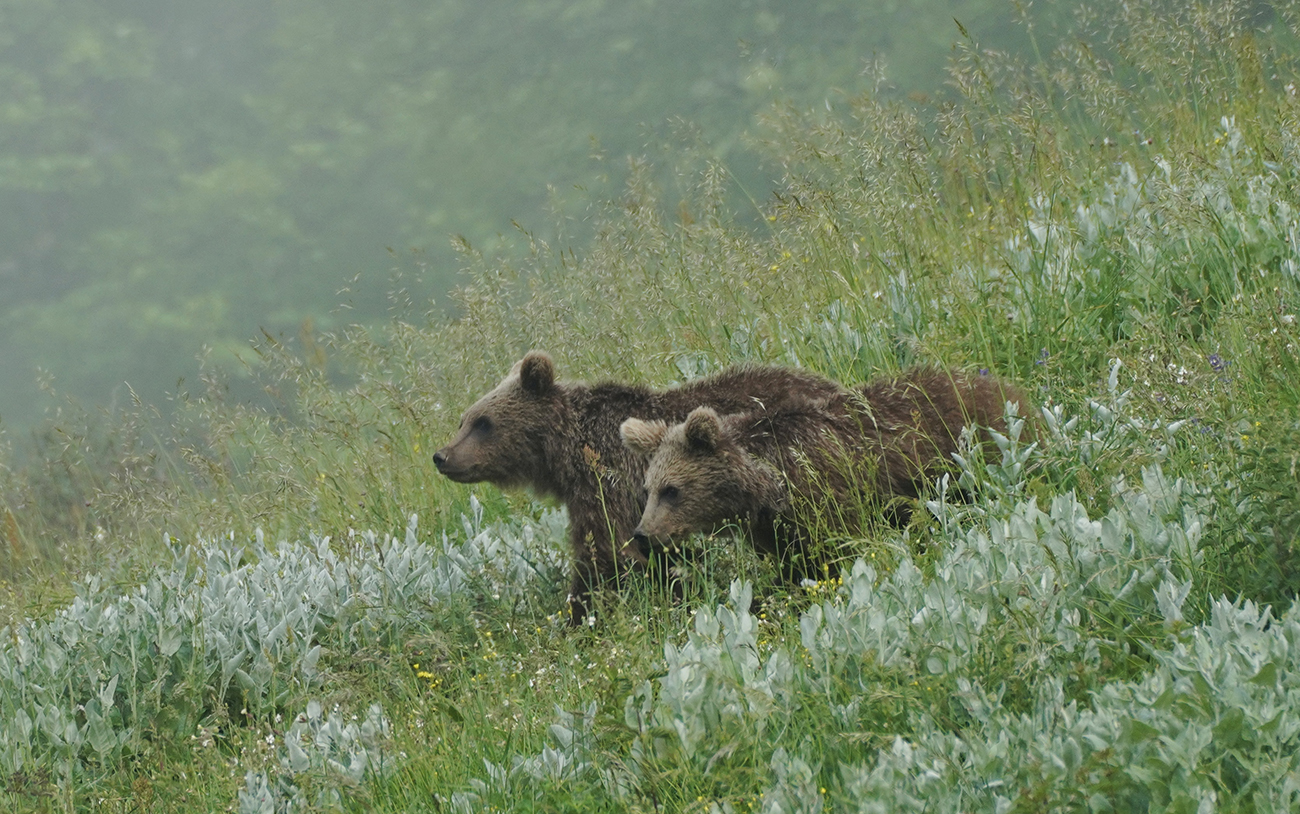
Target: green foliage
<point x="221" y="635"/>
<point x="327" y="748"/>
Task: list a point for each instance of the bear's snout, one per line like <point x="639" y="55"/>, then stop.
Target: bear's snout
<point x="640" y="545"/>
<point x="443" y="460"/>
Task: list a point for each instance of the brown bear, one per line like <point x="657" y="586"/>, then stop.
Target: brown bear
<point x="829" y="464"/>
<point x="562" y="440"/>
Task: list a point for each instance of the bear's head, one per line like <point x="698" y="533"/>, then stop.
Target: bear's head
<point x="698" y="479"/>
<point x="502" y="436"/>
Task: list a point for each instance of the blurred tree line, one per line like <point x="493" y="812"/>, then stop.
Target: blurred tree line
<point x="175" y="175"/>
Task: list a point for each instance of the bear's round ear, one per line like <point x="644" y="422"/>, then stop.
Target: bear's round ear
<point x="642" y="437"/>
<point x="537" y="373"/>
<point x="703" y="432"/>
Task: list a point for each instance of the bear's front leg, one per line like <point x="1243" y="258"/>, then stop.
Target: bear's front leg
<point x="593" y="567"/>
<point x="580" y="594"/>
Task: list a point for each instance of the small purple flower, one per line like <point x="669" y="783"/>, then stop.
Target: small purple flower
<point x="984" y="371"/>
<point x="1217" y="362"/>
<point x="1042" y="357"/>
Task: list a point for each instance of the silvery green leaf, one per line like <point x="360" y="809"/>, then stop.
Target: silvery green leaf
<point x="24" y="724"/>
<point x="308" y="664"/>
<point x="100" y="736"/>
<point x="1170" y="597"/>
<point x="297" y="758"/>
<point x="106" y="694"/>
<point x="256" y="796"/>
<point x="277" y="634"/>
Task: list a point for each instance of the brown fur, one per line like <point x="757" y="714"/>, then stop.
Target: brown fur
<point x="828" y="463"/>
<point x="562" y="440"/>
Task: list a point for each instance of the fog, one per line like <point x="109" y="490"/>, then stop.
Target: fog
<point x="177" y="177"/>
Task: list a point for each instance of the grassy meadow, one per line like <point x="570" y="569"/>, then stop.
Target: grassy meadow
<point x="282" y="607"/>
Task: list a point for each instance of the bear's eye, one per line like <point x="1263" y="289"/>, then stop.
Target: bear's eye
<point x="669" y="494"/>
<point x="481" y="425"/>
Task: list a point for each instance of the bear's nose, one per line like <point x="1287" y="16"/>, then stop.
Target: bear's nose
<point x="440" y="459"/>
<point x="641" y="543"/>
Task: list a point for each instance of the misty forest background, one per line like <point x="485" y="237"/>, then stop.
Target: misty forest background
<point x="177" y="177"/>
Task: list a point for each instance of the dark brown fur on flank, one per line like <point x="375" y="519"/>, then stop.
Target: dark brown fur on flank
<point x="562" y="439"/>
<point x="829" y="463"/>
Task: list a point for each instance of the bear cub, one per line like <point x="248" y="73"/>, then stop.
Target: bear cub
<point x="829" y="464"/>
<point x="561" y="439"/>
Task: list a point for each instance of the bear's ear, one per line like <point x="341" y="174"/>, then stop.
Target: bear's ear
<point x="703" y="432"/>
<point x="537" y="373"/>
<point x="642" y="437"/>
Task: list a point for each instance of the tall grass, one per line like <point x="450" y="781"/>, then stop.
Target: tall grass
<point x="1115" y="225"/>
